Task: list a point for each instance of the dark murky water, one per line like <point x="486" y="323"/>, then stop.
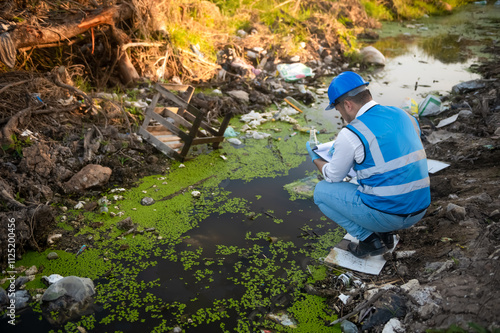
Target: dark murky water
<point x="430" y="56"/>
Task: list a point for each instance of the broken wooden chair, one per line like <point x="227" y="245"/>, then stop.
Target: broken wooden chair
<point x="174" y="129"/>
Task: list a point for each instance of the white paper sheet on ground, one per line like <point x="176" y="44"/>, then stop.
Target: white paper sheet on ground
<point x="434" y="166"/>
<point x="368" y="265"/>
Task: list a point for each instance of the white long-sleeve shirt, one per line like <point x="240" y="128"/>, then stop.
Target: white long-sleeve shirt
<point x="348" y="148"/>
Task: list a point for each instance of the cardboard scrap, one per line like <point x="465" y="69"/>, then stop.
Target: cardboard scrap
<point x="340" y="256"/>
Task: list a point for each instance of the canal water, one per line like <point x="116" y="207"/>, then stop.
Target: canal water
<point x="427" y="56"/>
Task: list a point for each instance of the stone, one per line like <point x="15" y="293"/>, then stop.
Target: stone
<point x="31" y="271"/>
<point x="373" y="56"/>
<point x="75" y="287"/>
<point x="4" y="299"/>
<point x="147" y="201"/>
<point x="125" y="224"/>
<point x="51" y="239"/>
<point x="428" y="310"/>
<point x="52" y="256"/>
<point x="240" y="95"/>
<point x="455" y="213"/>
<point x="22" y="280"/>
<point x="69" y="298"/>
<point x="89" y="176"/>
<point x="22" y="298"/>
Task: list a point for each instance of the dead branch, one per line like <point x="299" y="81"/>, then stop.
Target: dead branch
<point x="58" y="81"/>
<point x="11" y="126"/>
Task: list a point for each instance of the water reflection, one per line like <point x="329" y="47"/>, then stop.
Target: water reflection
<point x="448" y="49"/>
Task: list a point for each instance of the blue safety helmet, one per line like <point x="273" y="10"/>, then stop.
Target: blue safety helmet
<point x="343" y="85"/>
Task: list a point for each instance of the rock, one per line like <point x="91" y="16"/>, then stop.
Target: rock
<point x="393" y="326"/>
<point x="51" y="239"/>
<point x="69" y="297"/>
<point x="75" y="287"/>
<point x="147" y="201"/>
<point x="51" y="279"/>
<point x="89" y="176"/>
<point x="373" y="56"/>
<point x="22" y="280"/>
<point x="125" y="224"/>
<point x="495" y="215"/>
<point x="404" y="254"/>
<point x="403" y="270"/>
<point x="31" y="271"/>
<point x="22" y="298"/>
<point x="52" y="256"/>
<point x="455" y="213"/>
<point x="428" y="310"/>
<point x="4" y="299"/>
<point x="240" y="95"/>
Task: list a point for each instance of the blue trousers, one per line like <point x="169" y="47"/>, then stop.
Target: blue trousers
<point x="340" y="203"/>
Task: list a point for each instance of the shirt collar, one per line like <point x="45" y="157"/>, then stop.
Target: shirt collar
<point x="366" y="107"/>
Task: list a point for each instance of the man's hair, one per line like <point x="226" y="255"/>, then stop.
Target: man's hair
<point x="362" y="98"/>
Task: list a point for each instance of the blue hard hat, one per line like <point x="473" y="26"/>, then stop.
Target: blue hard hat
<point x="346" y="83"/>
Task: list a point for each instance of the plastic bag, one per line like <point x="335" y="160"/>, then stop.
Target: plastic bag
<point x="294" y="72"/>
<point x="409" y="105"/>
<point x="430" y="106"/>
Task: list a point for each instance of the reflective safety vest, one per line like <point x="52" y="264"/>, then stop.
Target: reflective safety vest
<point x="393" y="176"/>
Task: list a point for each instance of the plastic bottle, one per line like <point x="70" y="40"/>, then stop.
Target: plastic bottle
<point x="312" y="136"/>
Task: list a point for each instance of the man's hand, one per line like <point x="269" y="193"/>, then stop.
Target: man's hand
<point x="313" y="155"/>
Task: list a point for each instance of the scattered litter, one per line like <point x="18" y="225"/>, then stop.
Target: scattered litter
<point x="404" y="254"/>
<point x="257" y="135"/>
<point x="293" y="72"/>
<point x="434" y="166"/>
<point x="344" y="298"/>
<point x="80" y="205"/>
<point x="223" y="157"/>
<point x="83" y="248"/>
<point x="182" y="165"/>
<point x="430" y="106"/>
<point x="468" y="86"/>
<point x="304" y="186"/>
<point x="447" y="121"/>
<point x="229" y="132"/>
<point x="409" y="105"/>
<point x="196" y="194"/>
<point x="295" y="104"/>
<point x="66" y="102"/>
<point x="234" y="141"/>
<point x="342" y="257"/>
<point x="282" y="319"/>
<point x="51" y="279"/>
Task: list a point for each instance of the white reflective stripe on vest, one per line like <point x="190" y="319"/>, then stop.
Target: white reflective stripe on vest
<point x="385" y="191"/>
<point x="415" y="124"/>
<point x="377" y="156"/>
<point x="392" y="165"/>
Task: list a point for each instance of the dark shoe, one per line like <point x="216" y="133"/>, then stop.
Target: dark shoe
<point x="387" y="238"/>
<point x="372" y="246"/>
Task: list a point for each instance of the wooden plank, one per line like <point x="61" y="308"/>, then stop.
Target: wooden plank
<point x="167" y="138"/>
<point x="160" y="145"/>
<point x="222" y="129"/>
<point x="150" y="110"/>
<point x="171" y="127"/>
<point x="179" y="101"/>
<point x="210" y="139"/>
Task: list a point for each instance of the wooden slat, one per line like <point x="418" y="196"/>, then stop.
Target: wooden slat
<point x="160" y="145"/>
<point x="178" y="100"/>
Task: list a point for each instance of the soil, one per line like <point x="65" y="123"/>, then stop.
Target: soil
<point x="457" y="243"/>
